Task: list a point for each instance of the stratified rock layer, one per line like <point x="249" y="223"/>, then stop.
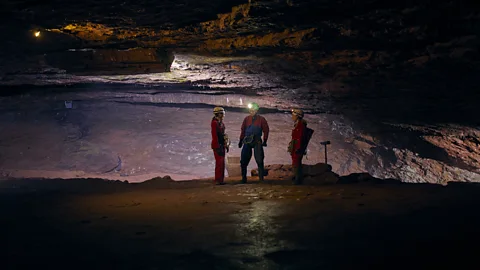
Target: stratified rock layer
<point x="112" y="61"/>
<point x="413" y="63"/>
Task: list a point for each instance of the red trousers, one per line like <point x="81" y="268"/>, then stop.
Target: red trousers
<point x="219" y="167"/>
<point x="297" y="160"/>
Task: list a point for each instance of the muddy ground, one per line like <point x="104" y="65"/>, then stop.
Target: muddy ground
<point x="159" y="224"/>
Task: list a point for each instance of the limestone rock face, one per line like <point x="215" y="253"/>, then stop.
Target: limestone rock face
<point x="365" y="41"/>
<point x="437" y="154"/>
<point x="376" y="63"/>
<point x="111" y="61"/>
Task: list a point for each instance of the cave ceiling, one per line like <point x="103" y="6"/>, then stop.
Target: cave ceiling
<point x="371" y="46"/>
<point x="409" y="28"/>
<point x="358" y="47"/>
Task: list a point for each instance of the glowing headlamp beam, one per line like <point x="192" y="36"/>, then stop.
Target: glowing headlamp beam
<point x="249" y="105"/>
<point x="37" y="34"/>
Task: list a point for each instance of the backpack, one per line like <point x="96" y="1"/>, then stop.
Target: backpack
<point x="308" y="136"/>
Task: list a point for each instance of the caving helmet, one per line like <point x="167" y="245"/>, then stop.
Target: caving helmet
<point x="253" y="106"/>
<point x="218" y="110"/>
<point x="297" y="112"/>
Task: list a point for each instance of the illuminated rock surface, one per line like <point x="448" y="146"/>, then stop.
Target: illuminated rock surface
<point x="392" y="84"/>
<point x="400" y="76"/>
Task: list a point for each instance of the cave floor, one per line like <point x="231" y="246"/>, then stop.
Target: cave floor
<point x="136" y="133"/>
<point x="159" y="224"/>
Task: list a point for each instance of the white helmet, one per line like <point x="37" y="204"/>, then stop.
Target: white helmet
<point x="218" y="110"/>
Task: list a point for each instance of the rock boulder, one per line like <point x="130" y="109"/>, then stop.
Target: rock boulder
<point x="319" y="173"/>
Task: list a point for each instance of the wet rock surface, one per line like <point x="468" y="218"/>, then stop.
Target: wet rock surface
<point x="196" y="225"/>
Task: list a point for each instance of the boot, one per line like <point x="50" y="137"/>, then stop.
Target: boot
<point x="261" y="172"/>
<point x="294" y="174"/>
<point x="244" y="175"/>
<point x="298" y="175"/>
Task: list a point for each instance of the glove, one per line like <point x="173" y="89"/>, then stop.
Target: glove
<point x="240" y="144"/>
<point x="264" y="143"/>
<point x="227" y="148"/>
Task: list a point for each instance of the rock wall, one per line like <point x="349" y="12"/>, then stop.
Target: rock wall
<point x="111" y="61"/>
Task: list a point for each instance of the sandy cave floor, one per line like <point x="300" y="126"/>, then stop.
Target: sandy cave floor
<point x="159" y="224"/>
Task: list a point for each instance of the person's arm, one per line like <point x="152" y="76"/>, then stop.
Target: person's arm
<point x="227" y="140"/>
<point x="242" y="132"/>
<point x="215" y="142"/>
<point x="265" y="129"/>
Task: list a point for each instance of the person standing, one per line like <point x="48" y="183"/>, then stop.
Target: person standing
<point x="298" y="145"/>
<point x="251" y="140"/>
<point x="219" y="144"/>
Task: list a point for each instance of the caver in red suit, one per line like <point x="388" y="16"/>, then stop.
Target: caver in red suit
<point x="219" y="144"/>
<point x="297" y="145"/>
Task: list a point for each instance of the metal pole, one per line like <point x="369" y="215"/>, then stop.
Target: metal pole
<point x="326" y="154"/>
<point x="325" y="143"/>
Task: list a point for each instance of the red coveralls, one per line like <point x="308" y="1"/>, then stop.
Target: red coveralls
<point x="298" y="143"/>
<point x="218" y="146"/>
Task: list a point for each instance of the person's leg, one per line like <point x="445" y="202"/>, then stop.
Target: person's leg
<point x="219" y="167"/>
<point x="297" y="169"/>
<point x="244" y="160"/>
<point x="259" y="157"/>
<point x="293" y="168"/>
<point x="299" y="177"/>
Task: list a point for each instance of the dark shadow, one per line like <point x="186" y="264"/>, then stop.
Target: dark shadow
<point x="438" y="227"/>
<point x="439" y="233"/>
